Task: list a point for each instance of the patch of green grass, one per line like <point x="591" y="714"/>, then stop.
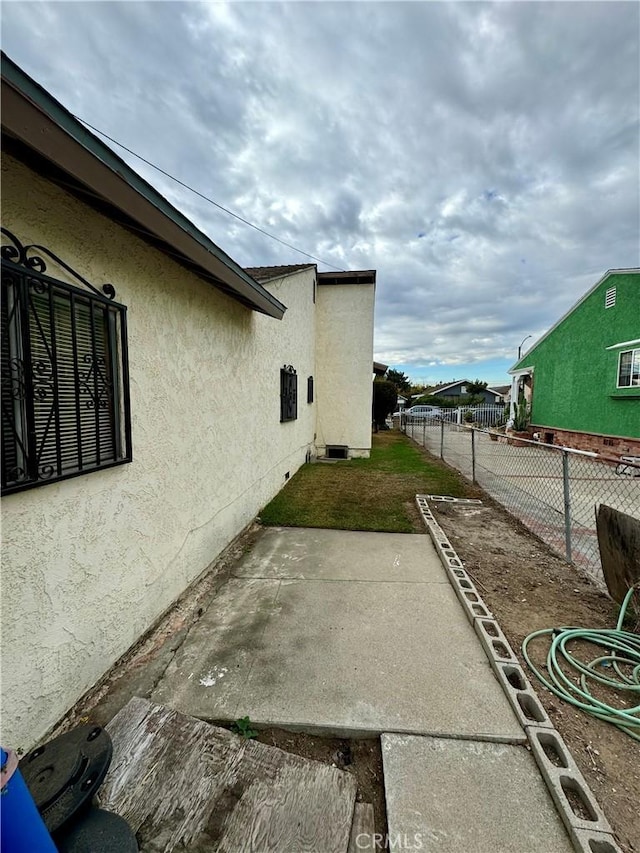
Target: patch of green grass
<point x="242" y="726"/>
<point x="365" y="494"/>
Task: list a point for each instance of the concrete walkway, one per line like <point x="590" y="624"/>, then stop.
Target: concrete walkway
<point x="465" y="796"/>
<point x="341" y="632"/>
<point x="336" y="632"/>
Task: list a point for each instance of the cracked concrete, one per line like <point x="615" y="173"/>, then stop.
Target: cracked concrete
<point x="339" y="632"/>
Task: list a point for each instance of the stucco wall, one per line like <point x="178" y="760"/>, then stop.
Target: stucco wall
<point x="90" y="563"/>
<point x="344" y="360"/>
<point x="575" y="375"/>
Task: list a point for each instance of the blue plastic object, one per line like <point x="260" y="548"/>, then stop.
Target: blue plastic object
<point x="22" y="830"/>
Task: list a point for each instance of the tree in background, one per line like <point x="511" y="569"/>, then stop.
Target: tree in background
<point x="474" y="395"/>
<point x="385" y="398"/>
<point x="476" y="387"/>
<point x="416" y="390"/>
<point x="399" y="379"/>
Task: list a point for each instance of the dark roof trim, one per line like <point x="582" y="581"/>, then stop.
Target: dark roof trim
<point x="42" y="127"/>
<point x="348" y="277"/>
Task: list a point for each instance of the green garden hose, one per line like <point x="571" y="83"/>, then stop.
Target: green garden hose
<point x="622" y="656"/>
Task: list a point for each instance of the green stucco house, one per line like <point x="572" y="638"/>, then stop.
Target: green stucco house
<point x="583" y="376"/>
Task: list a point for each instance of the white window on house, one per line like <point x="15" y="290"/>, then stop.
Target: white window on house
<point x="629" y="368"/>
<point x="65" y="394"/>
<point x="610" y="297"/>
<point x="463" y="389"/>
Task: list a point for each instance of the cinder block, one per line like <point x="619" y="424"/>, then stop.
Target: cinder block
<point x="590" y="841"/>
<point x="522" y="697"/>
<point x="450" y="500"/>
<point x="480" y="609"/>
<point x="450" y="555"/>
<point x="494" y="641"/>
<point x="468" y="595"/>
<point x="574" y="799"/>
<point x="423" y="508"/>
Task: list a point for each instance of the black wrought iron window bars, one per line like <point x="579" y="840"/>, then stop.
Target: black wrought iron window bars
<point x="288" y="394"/>
<point x="65" y="378"/>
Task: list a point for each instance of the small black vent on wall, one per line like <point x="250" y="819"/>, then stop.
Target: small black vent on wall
<point x="310" y="389"/>
<point x="337" y="451"/>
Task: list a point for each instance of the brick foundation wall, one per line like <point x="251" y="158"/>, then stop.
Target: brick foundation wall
<point x="601" y="444"/>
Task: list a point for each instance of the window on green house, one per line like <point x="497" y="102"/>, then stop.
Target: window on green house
<point x="629" y="368"/>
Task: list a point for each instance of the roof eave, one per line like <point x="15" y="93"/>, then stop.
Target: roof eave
<point x="275" y="277"/>
<point x="625" y="271"/>
<point x="40" y="124"/>
<point x="348" y="277"/>
<point x="451" y="385"/>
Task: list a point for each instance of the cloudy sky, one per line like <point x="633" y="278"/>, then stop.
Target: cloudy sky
<point x="483" y="157"/>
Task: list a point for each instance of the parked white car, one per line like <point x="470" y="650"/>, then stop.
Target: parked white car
<point x="423" y="412"/>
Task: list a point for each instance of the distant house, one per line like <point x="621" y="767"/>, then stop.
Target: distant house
<point x="583" y="375"/>
<point x="155" y="396"/>
<point x="379" y="369"/>
<point x="455" y="390"/>
<point x="504" y="391"/>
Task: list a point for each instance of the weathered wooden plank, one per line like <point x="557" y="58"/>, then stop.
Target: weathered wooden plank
<point x="363" y="829"/>
<point x="619" y="541"/>
<point x="183" y="784"/>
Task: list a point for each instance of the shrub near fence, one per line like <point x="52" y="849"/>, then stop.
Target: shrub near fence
<point x="553" y="490"/>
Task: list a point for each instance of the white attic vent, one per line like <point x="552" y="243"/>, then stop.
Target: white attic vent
<point x="610" y="298"/>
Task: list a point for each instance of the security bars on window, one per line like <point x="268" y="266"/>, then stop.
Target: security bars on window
<point x="65" y="384"/>
<point x="288" y="394"/>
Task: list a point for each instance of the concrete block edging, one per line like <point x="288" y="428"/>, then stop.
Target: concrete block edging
<point x="588" y="828"/>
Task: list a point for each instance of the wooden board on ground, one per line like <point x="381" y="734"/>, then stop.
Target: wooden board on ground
<point x="362" y="829"/>
<point x="183" y="784"/>
<point x="619" y="541"/>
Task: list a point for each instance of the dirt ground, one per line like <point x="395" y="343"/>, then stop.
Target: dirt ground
<point x="527" y="587"/>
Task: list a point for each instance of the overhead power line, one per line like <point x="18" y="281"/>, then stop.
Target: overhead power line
<point x="206" y="198"/>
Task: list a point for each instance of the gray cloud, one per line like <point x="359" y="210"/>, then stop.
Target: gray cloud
<point x="483" y="157"/>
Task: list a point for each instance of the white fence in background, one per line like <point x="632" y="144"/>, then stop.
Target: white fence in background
<point x="483" y="414"/>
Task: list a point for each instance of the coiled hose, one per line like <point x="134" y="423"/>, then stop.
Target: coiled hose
<point x="622" y="656"/>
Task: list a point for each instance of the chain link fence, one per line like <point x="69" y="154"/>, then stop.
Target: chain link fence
<point x="554" y="491"/>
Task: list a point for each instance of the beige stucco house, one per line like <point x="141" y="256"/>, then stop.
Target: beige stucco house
<point x="126" y="334"/>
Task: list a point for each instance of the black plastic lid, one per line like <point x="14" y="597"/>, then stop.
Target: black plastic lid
<point x="65" y="773"/>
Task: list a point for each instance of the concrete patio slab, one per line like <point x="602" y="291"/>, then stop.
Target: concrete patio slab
<point x="455" y="796"/>
<point x="351" y="555"/>
<point x="341" y="655"/>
